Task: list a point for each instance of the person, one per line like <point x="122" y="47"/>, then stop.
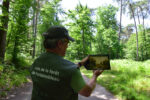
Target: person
<point x="55" y="78"/>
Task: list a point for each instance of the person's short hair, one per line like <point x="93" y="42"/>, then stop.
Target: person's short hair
<point x="50" y="43"/>
<point x="54" y="34"/>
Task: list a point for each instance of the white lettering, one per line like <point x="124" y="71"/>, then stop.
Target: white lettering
<point x="50" y="71"/>
<point x="46" y="76"/>
<point x="37" y="68"/>
<point x="42" y="69"/>
<point x="33" y="73"/>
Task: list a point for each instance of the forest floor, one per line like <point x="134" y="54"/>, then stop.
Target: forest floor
<point x="24" y="93"/>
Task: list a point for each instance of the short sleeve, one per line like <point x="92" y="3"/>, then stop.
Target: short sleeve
<point x="77" y="81"/>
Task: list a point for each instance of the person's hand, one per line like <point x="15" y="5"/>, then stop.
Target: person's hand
<point x="83" y="61"/>
<point x="97" y="72"/>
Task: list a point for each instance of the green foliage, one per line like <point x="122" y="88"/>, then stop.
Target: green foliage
<point x="107" y="38"/>
<point x="142" y="44"/>
<point x="5" y="77"/>
<point x="81" y="29"/>
<point x="106" y="16"/>
<point x="128" y="79"/>
<point x="19" y="78"/>
<point x="48" y="17"/>
<point x="131" y="47"/>
<point x="11" y="77"/>
<point x="3" y="94"/>
<point x="148" y="42"/>
<point x="17" y="37"/>
<point x="1" y="68"/>
<point x="143" y="38"/>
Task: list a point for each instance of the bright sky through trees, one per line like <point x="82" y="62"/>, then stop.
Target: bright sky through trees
<point x="71" y="4"/>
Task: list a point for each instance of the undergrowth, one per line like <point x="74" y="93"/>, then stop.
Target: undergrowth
<point x="127" y="79"/>
<point x="11" y="77"/>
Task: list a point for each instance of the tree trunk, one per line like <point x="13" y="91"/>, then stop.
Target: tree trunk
<point x="119" y="28"/>
<point x="137" y="55"/>
<point x="138" y="16"/>
<point x="15" y="51"/>
<point x="3" y="28"/>
<point x="34" y="8"/>
<point x="120" y="20"/>
<point x="83" y="42"/>
<point x="35" y="17"/>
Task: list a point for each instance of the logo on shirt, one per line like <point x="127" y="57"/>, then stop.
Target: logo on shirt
<point x="46" y="73"/>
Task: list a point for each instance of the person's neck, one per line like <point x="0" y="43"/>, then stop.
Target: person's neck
<point x="55" y="51"/>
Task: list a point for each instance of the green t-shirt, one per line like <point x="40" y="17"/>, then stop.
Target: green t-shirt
<point x="77" y="81"/>
<point x="55" y="78"/>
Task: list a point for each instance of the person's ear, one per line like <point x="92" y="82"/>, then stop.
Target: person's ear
<point x="59" y="44"/>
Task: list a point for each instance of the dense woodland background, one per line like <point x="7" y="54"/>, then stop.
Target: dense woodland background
<point x="96" y="31"/>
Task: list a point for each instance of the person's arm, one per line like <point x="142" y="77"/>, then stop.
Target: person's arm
<point x="89" y="87"/>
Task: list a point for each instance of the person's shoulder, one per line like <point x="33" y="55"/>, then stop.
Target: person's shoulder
<point x="69" y="64"/>
<point x="39" y="58"/>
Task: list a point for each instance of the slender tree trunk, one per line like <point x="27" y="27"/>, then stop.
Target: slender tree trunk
<point x="138" y="16"/>
<point x="120" y="28"/>
<point x="120" y="20"/>
<point x="34" y="8"/>
<point x="90" y="45"/>
<point x="3" y="29"/>
<point x="99" y="47"/>
<point x="137" y="55"/>
<point x="83" y="42"/>
<point x="15" y="50"/>
<point x="35" y="17"/>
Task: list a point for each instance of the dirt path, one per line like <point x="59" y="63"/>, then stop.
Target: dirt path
<point x="100" y="93"/>
<point x="24" y="93"/>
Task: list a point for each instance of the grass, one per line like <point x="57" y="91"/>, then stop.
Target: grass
<point x="10" y="77"/>
<point x="127" y="79"/>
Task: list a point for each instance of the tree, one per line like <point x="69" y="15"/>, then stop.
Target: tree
<point x="123" y="5"/>
<point x="19" y="28"/>
<point x="143" y="7"/>
<point x="144" y="10"/>
<point x="120" y="19"/>
<point x="126" y="33"/>
<point x="3" y="28"/>
<point x="148" y="42"/>
<point x="130" y="49"/>
<point x="133" y="14"/>
<point x="48" y="17"/>
<point x="36" y="8"/>
<point x="106" y="27"/>
<point x="81" y="28"/>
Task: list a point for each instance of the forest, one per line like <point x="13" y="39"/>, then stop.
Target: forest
<point x="95" y="30"/>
